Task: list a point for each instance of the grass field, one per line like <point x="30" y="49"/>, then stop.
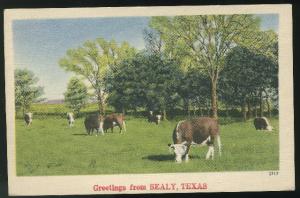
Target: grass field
<point x="50" y="147"/>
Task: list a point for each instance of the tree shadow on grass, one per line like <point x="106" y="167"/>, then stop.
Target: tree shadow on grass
<point x="164" y="157"/>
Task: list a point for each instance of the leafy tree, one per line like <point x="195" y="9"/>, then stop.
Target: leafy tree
<point x="153" y="41"/>
<point x="93" y="60"/>
<point x="76" y="95"/>
<point x="206" y="40"/>
<point x="194" y="89"/>
<point x="26" y="90"/>
<point x="246" y="77"/>
<point x="147" y="81"/>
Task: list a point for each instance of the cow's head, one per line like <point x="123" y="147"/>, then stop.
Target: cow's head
<point x="269" y="128"/>
<point x="29" y="114"/>
<point x="179" y="150"/>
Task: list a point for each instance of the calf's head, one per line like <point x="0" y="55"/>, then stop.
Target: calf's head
<point x="179" y="150"/>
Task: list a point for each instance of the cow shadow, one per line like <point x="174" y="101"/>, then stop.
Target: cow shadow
<point x="165" y="157"/>
<point x="80" y="134"/>
<point x="161" y="157"/>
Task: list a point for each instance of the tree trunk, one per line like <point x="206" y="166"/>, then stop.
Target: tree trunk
<point x="227" y="111"/>
<point x="261" y="105"/>
<point x="201" y="111"/>
<point x="207" y="111"/>
<point x="214" y="99"/>
<point x="249" y="109"/>
<point x="165" y="114"/>
<point x="187" y="106"/>
<point x="268" y="106"/>
<point x="255" y="110"/>
<point x="243" y="107"/>
<point x="101" y="105"/>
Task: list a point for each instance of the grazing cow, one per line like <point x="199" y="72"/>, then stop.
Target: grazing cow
<point x="262" y="123"/>
<point x="28" y="118"/>
<point x="154" y="117"/>
<point x="113" y="120"/>
<point x="199" y="131"/>
<point x="71" y="120"/>
<point x="92" y="122"/>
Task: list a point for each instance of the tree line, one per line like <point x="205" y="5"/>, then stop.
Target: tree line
<point x="189" y="62"/>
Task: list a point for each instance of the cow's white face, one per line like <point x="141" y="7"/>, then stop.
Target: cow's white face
<point x="158" y="117"/>
<point x="179" y="150"/>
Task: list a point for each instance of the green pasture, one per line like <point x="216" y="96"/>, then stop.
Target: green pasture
<point x="50" y="147"/>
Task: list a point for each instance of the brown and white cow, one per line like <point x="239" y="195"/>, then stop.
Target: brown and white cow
<point x="198" y="131"/>
<point x="262" y="123"/>
<point x="112" y="120"/>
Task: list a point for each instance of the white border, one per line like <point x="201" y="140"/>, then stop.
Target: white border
<point x="217" y="181"/>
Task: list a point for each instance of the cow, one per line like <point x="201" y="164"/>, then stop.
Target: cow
<point x="198" y="131"/>
<point x="28" y="118"/>
<point x="262" y="123"/>
<point x="71" y="120"/>
<point x="113" y="120"/>
<point x="92" y="122"/>
<point x="154" y="117"/>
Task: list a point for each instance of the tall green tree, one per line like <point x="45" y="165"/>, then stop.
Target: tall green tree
<point x="206" y="40"/>
<point x="26" y="89"/>
<point x="76" y="95"/>
<point x="93" y="60"/>
<point x="194" y="90"/>
<point x="148" y="81"/>
<point x="246" y="77"/>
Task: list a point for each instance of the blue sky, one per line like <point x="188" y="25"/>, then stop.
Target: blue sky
<point x="39" y="44"/>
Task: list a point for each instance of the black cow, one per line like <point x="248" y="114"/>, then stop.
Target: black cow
<point x="154" y="117"/>
<point x="92" y="122"/>
<point x="262" y="123"/>
<point x="28" y="118"/>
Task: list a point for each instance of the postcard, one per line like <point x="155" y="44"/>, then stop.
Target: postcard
<point x="132" y="100"/>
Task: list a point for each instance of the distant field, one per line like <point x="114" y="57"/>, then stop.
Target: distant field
<point x="49" y="147"/>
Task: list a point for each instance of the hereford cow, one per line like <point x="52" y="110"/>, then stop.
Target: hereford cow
<point x="154" y="117"/>
<point x="113" y="120"/>
<point x="71" y="120"/>
<point x="262" y="123"/>
<point x="92" y="122"/>
<point x="28" y="118"/>
<point x="199" y="131"/>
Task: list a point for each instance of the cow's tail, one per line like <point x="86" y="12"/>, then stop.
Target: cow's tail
<point x="219" y="144"/>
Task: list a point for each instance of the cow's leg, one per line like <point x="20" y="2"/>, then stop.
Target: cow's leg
<point x="187" y="153"/>
<point x="211" y="148"/>
<point x="210" y="152"/>
<point x="124" y="126"/>
<point x="219" y="145"/>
